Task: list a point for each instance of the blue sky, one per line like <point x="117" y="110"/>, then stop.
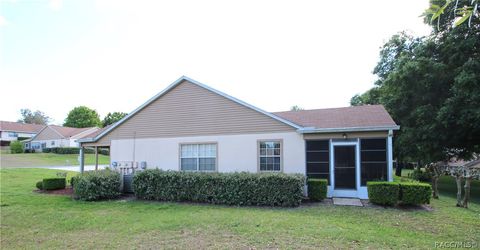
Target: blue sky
<point x="114" y="55"/>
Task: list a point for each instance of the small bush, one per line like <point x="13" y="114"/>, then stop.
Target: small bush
<point x="46" y="150"/>
<point x="412" y="193"/>
<point x="73" y="180"/>
<point x="317" y="189"/>
<point x="383" y="193"/>
<point x="242" y="189"/>
<point x="421" y="175"/>
<point x="16" y="147"/>
<point x="53" y="183"/>
<point x="39" y="185"/>
<point x="97" y="185"/>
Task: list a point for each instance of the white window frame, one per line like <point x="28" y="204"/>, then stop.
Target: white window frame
<point x="197" y="144"/>
<point x="259" y="155"/>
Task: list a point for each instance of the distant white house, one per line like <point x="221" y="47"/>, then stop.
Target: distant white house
<point x="53" y="136"/>
<point x="17" y="131"/>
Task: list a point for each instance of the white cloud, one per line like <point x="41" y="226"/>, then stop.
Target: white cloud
<point x="272" y="54"/>
<point x="56" y="5"/>
<point x="3" y="21"/>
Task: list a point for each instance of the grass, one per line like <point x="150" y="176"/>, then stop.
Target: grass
<point x="48" y="159"/>
<point x="33" y="220"/>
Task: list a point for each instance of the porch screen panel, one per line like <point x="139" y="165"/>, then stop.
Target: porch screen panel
<point x="373" y="158"/>
<point x="318" y="159"/>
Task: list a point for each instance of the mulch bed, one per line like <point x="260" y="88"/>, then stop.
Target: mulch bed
<point x="66" y="191"/>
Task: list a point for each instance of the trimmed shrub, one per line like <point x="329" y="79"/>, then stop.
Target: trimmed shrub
<point x="413" y="193"/>
<point x="73" y="180"/>
<point x="383" y="193"/>
<point x="39" y="185"/>
<point x="54" y="183"/>
<point x="97" y="185"/>
<point x="420" y="175"/>
<point x="16" y="147"/>
<point x="242" y="189"/>
<point x="317" y="189"/>
<point x="67" y="150"/>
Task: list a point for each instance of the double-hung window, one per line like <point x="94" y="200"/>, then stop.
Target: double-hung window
<point x="198" y="157"/>
<point x="270" y="154"/>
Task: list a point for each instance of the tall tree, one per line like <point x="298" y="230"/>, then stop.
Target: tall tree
<point x="296" y="108"/>
<point x="431" y="86"/>
<point x="111" y="118"/>
<point x="37" y="117"/>
<point x="82" y="117"/>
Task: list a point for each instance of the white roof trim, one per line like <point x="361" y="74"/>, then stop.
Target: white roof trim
<point x="173" y="85"/>
<point x="309" y="130"/>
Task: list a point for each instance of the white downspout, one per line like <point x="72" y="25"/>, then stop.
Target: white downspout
<point x="390" y="155"/>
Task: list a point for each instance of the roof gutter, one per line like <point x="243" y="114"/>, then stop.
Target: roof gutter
<point x="311" y="130"/>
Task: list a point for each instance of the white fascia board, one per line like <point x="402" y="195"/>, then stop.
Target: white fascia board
<point x="347" y="129"/>
<point x="174" y="84"/>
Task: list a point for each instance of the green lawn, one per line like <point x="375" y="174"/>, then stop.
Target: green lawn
<point x="33" y="220"/>
<point x="48" y="159"/>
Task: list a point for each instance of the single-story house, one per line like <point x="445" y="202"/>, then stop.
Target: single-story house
<point x="17" y="131"/>
<point x="53" y="136"/>
<point x="190" y="126"/>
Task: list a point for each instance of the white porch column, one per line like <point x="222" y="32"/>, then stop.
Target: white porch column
<point x="81" y="159"/>
<point x="96" y="158"/>
<point x="390" y="155"/>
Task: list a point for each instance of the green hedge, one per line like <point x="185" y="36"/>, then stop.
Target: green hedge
<point x="383" y="193"/>
<point x="97" y="185"/>
<point x="317" y="189"/>
<point x="39" y="185"/>
<point x="243" y="189"/>
<point x="67" y="150"/>
<point x="415" y="193"/>
<point x="53" y="183"/>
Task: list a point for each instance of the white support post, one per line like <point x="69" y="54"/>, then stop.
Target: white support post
<point x="390" y="155"/>
<point x="96" y="158"/>
<point x="81" y="159"/>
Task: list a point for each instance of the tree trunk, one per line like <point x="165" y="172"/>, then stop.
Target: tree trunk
<point x="467" y="192"/>
<point x="398" y="170"/>
<point x="435" y="186"/>
<point x="459" y="190"/>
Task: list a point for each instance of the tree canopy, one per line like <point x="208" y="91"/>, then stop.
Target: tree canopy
<point x="82" y="117"/>
<point x="37" y="117"/>
<point x="111" y="118"/>
<point x="431" y="87"/>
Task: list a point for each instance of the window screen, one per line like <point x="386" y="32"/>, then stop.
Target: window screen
<point x="373" y="153"/>
<point x="318" y="159"/>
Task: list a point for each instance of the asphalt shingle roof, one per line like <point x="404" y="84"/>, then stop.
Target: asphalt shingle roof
<point x="347" y="117"/>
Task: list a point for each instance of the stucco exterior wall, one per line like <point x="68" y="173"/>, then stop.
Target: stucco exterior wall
<point x="234" y="152"/>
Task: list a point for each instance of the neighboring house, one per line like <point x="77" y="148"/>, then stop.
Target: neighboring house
<point x="53" y="136"/>
<point x="17" y="131"/>
<point x="192" y="127"/>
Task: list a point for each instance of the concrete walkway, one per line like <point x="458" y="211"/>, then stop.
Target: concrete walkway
<point x="74" y="168"/>
<point x="347" y="202"/>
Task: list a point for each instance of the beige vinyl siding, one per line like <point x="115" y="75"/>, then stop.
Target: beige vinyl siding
<point x="369" y="134"/>
<point x="190" y="110"/>
<point x="47" y="134"/>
